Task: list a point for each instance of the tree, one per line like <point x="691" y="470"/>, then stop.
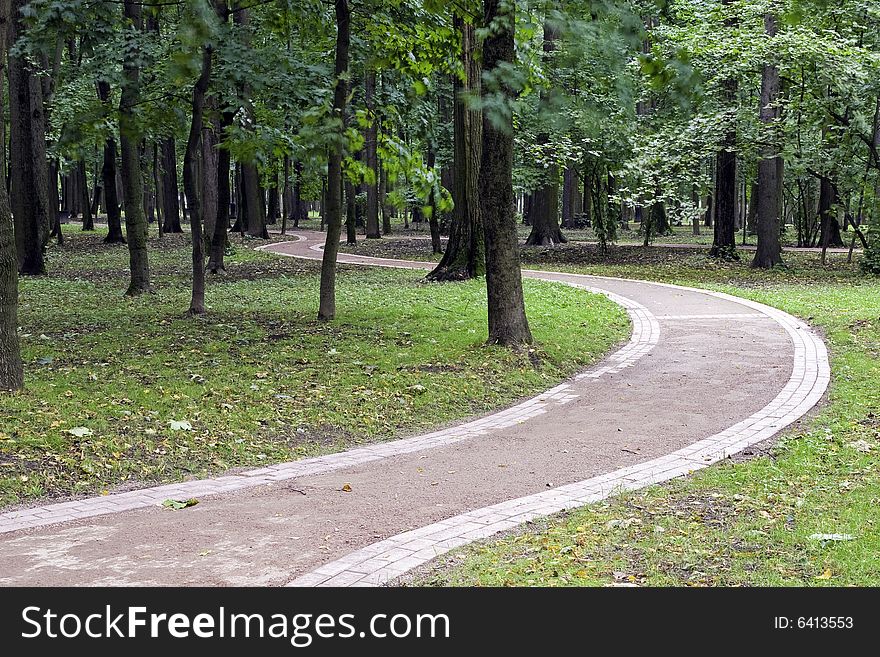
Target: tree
<point x="769" y="203"/>
<point x="11" y="372"/>
<point x="327" y="309"/>
<point x="108" y="178"/>
<point x="465" y="255"/>
<point x="371" y="157"/>
<point x="724" y="241"/>
<point x="544" y="214"/>
<point x="191" y="182"/>
<point x="136" y="226"/>
<point x="28" y="179"/>
<point x="507" y="317"/>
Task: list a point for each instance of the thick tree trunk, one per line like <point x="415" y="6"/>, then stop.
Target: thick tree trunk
<point x="132" y="177"/>
<point x="507" y="317"/>
<point x="465" y="255"/>
<point x="724" y="242"/>
<point x="371" y="157"/>
<point x="28" y="176"/>
<point x="327" y="309"/>
<point x="545" y="205"/>
<point x="192" y="187"/>
<point x="11" y="370"/>
<point x="169" y="195"/>
<point x="768" y="202"/>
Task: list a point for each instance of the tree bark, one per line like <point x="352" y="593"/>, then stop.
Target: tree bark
<point x="769" y="251"/>
<point x="299" y="213"/>
<point x="88" y="220"/>
<point x="11" y="369"/>
<point x="830" y="227"/>
<point x="28" y="180"/>
<point x="327" y="309"/>
<point x="220" y="238"/>
<point x="170" y="192"/>
<point x="545" y="205"/>
<point x="371" y="157"/>
<point x="132" y="176"/>
<point x="192" y="186"/>
<point x="506" y="307"/>
<point x="350" y="213"/>
<point x="465" y="255"/>
<point x="724" y="242"/>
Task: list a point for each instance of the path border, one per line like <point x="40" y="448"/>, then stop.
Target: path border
<point x="645" y="335"/>
<point x="386" y="560"/>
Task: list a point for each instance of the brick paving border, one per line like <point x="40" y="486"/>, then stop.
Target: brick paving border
<point x="645" y="335"/>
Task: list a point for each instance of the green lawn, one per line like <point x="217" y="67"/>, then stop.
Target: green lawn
<point x="126" y="392"/>
<point x="749" y="523"/>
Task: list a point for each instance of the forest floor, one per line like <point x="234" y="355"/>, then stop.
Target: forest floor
<point x="123" y="393"/>
<point x="806" y="513"/>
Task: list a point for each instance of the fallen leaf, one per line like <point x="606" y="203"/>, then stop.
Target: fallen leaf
<point x="177" y="505"/>
<point x="826" y="575"/>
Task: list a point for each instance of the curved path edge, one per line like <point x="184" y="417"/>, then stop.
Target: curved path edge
<point x="645" y="335"/>
<point x="386" y="560"/>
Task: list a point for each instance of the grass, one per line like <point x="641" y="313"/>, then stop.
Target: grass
<point x="751" y="523"/>
<point x="127" y="392"/>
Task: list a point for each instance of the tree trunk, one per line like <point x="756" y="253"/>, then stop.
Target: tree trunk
<point x="208" y="178"/>
<point x="273" y="212"/>
<point x="286" y="196"/>
<point x="327" y="309"/>
<point x="767" y="204"/>
<point x="545" y="205"/>
<point x="220" y="239"/>
<point x="299" y="213"/>
<point x="433" y="219"/>
<point x="132" y="177"/>
<point x="383" y="201"/>
<point x="506" y="308"/>
<point x="111" y="200"/>
<point x="350" y="213"/>
<point x="169" y="195"/>
<point x="253" y="201"/>
<point x="27" y="171"/>
<point x="371" y="157"/>
<point x="830" y="227"/>
<point x="11" y="370"/>
<point x="54" y="201"/>
<point x="465" y="255"/>
<point x="192" y="187"/>
<point x="88" y="220"/>
<point x="724" y="242"/>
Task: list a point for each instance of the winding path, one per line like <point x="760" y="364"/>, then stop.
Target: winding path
<point x="705" y="376"/>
